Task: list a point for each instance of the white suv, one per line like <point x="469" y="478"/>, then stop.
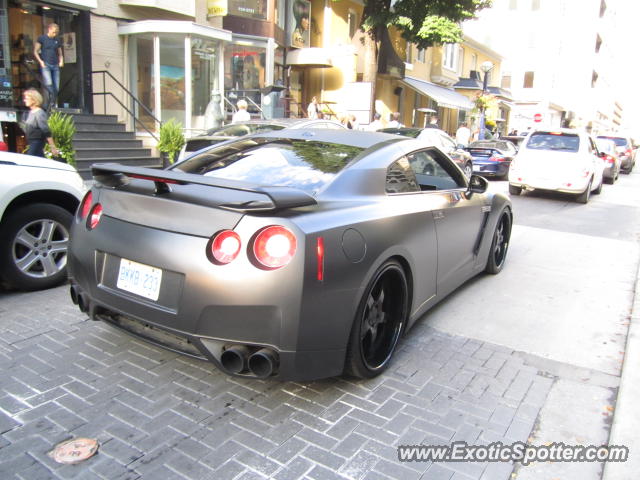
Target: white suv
<point x="563" y="160"/>
<point x="38" y="198"/>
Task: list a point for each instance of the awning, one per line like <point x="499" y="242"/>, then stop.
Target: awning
<point x="174" y="26"/>
<point x="310" y="57"/>
<point x="443" y="96"/>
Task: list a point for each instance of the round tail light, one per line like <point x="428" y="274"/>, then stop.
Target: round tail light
<point x="94" y="217"/>
<point x="85" y="206"/>
<point x="225" y="246"/>
<point x="274" y="246"/>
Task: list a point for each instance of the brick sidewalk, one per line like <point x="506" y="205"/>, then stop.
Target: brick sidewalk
<point x="159" y="415"/>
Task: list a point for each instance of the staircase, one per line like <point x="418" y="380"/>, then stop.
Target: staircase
<point x="102" y="139"/>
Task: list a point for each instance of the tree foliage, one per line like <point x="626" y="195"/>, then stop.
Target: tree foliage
<point x="422" y="22"/>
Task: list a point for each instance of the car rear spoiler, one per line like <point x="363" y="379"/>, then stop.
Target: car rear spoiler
<point x="115" y="175"/>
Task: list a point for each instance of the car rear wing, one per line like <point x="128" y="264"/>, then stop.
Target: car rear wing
<point x="116" y="175"/>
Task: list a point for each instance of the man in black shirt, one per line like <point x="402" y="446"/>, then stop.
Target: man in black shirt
<point x="48" y="52"/>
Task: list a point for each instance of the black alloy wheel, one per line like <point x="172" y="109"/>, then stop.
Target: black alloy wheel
<point x="379" y="322"/>
<point x="499" y="244"/>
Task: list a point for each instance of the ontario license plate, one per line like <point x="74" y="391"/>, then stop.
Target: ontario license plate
<point x="140" y="279"/>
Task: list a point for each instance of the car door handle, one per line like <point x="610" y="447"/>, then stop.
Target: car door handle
<point x="438" y="215"/>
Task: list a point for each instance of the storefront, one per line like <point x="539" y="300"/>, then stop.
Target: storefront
<point x="174" y="67"/>
<point x="25" y="21"/>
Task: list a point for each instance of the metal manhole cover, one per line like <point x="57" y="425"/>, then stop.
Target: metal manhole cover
<point x="74" y="451"/>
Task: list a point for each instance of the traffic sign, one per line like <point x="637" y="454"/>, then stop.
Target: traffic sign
<point x="537" y="117"/>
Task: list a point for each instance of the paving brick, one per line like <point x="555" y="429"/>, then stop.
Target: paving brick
<point x="257" y="462"/>
<point x="395" y="470"/>
<point x="438" y="472"/>
<point x="294" y="470"/>
<point x="323" y="457"/>
<point x="350" y="445"/>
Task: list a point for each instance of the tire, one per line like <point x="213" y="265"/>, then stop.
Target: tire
<point x="468" y="170"/>
<point x="499" y="244"/>
<point x="379" y="322"/>
<point x="584" y="196"/>
<point x="33" y="246"/>
<point x="513" y="190"/>
<point x="598" y="190"/>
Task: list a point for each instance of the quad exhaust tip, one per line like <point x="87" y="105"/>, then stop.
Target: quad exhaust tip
<point x="238" y="359"/>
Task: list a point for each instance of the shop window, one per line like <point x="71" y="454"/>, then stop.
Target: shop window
<point x="528" y="80"/>
<point x="244" y="70"/>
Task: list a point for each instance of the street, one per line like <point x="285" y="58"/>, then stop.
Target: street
<point x="532" y="354"/>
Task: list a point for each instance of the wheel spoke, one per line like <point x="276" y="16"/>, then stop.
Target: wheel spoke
<point x="59" y="246"/>
<point x="25" y="238"/>
<point x="49" y="265"/>
<point x="25" y="263"/>
<point x="48" y="227"/>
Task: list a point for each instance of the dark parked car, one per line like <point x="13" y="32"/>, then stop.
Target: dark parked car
<point x="624" y="147"/>
<point x="491" y="158"/>
<point x="438" y="138"/>
<point x="607" y="149"/>
<point x="296" y="254"/>
<point x="241" y="129"/>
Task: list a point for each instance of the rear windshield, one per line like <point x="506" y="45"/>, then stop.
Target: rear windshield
<point x="565" y="142"/>
<point x="307" y="165"/>
<point x="620" y="142"/>
<point x="604" y="145"/>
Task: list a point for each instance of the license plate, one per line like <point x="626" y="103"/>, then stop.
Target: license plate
<point x="140" y="279"/>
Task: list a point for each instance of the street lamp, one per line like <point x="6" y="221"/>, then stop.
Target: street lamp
<point x="486" y="68"/>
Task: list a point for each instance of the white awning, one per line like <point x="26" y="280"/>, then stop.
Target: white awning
<point x="310" y="57"/>
<point x="173" y="26"/>
<point x="184" y="7"/>
<point x="444" y="97"/>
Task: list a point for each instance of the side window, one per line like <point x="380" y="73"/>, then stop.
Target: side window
<point x="401" y="178"/>
<point x="448" y="144"/>
<point x="434" y="172"/>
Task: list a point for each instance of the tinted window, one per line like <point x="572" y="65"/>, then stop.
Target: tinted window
<point x="240" y="129"/>
<point x="434" y="172"/>
<point x="605" y="145"/>
<point x="308" y="165"/>
<point x="566" y="142"/>
<point x="401" y="178"/>
<point x="619" y="141"/>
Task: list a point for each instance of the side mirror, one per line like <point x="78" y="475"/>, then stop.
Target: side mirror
<point x="478" y="184"/>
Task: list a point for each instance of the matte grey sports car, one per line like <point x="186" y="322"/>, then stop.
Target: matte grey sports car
<point x="296" y="254"/>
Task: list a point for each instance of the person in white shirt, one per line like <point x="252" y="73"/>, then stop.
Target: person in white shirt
<point x="463" y="134"/>
<point x="313" y="111"/>
<point x="376" y="124"/>
<point x="241" y="115"/>
<point x="395" y="121"/>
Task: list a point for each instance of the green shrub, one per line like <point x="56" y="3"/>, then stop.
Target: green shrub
<point x="62" y="129"/>
<point x="171" y="138"/>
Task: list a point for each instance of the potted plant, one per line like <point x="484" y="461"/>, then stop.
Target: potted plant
<point x="171" y="141"/>
<point x="62" y="129"/>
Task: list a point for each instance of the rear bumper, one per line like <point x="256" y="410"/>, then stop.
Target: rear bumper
<point x="491" y="169"/>
<point x="537" y="184"/>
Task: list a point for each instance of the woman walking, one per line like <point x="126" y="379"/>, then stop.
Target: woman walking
<point x="36" y="128"/>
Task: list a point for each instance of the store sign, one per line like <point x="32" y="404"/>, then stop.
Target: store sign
<point x="248" y="8"/>
<point x="217" y="8"/>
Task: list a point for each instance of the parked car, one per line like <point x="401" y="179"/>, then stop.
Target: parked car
<point x="563" y="160"/>
<point x="515" y="139"/>
<point x="624" y="147"/>
<point x="38" y="198"/>
<point x="440" y="139"/>
<point x="491" y="158"/>
<point x="607" y="149"/>
<point x="296" y="254"/>
<point x="235" y="130"/>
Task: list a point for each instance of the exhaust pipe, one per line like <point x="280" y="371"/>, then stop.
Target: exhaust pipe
<point x="73" y="291"/>
<point x="234" y="358"/>
<point x="264" y="363"/>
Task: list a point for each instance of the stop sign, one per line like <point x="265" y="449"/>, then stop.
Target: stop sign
<point x="537" y="117"/>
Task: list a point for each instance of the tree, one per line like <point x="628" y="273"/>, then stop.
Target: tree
<point x="424" y="23"/>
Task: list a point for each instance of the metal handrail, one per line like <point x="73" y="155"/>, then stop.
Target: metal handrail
<point x="255" y="105"/>
<point x="131" y="96"/>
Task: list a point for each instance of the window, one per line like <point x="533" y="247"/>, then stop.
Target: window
<point x="352" y="22"/>
<point x="408" y="51"/>
<point x="421" y="55"/>
<point x="474" y="62"/>
<point x="594" y="79"/>
<point x="535" y="5"/>
<point x="450" y="54"/>
<point x="432" y="172"/>
<point x="566" y="142"/>
<point x="513" y="4"/>
<point x="401" y="178"/>
<point x="281" y="9"/>
<point x="603" y="8"/>
<point x="598" y="43"/>
<point x="528" y="80"/>
<point x="506" y="81"/>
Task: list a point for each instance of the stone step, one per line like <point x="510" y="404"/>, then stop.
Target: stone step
<point x="107" y="143"/>
<point x="102" y="135"/>
<point x="100" y="153"/>
<point x="89" y="118"/>
<point x="100" y="127"/>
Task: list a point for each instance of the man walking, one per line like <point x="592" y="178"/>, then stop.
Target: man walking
<point x="48" y="52"/>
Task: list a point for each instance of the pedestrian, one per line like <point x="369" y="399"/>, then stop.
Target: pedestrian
<point x="242" y="115"/>
<point x="345" y="119"/>
<point x="463" y="134"/>
<point x="36" y="128"/>
<point x="395" y="121"/>
<point x="433" y="122"/>
<point x="48" y="53"/>
<point x="313" y="111"/>
<point x="377" y="123"/>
